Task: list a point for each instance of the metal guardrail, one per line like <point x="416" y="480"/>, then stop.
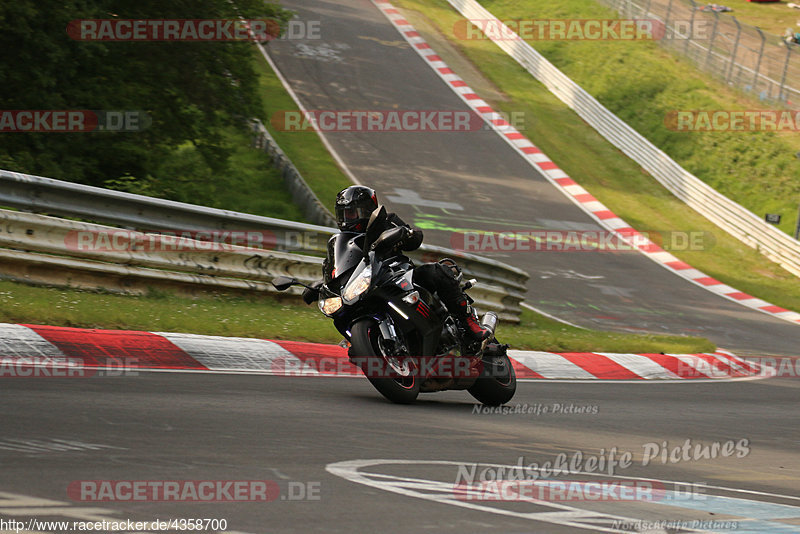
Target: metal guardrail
<point x="56" y="197"/>
<point x="39" y="248"/>
<point x="58" y="242"/>
<point x="725" y="213"/>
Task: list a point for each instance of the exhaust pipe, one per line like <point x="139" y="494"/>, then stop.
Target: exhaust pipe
<point x="489" y="321"/>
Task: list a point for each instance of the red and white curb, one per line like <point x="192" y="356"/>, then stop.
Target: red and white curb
<point x="580" y="196"/>
<point x="23" y="347"/>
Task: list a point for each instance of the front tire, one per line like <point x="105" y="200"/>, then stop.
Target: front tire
<point x="364" y="344"/>
<point x="498" y="382"/>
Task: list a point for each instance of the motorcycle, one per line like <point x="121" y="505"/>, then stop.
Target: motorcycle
<point x="400" y="334"/>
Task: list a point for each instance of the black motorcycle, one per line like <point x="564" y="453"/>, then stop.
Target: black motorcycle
<point x="400" y="334"/>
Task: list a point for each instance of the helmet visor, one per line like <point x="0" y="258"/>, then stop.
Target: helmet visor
<point x="350" y="216"/>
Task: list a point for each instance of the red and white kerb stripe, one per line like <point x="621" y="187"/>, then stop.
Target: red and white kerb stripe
<point x="37" y="345"/>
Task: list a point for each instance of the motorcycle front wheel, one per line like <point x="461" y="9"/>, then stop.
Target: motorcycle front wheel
<point x="395" y="377"/>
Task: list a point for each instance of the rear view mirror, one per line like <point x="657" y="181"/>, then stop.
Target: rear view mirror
<point x="282" y="283"/>
<point x="388" y="238"/>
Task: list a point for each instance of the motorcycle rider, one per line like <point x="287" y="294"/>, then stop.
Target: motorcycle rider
<point x="355" y="204"/>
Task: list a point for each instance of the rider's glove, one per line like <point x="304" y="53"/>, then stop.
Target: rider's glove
<point x="311" y="294"/>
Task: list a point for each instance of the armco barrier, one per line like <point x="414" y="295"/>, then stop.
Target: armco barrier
<point x="725" y="213"/>
<point x="51" y="242"/>
<point x="42" y="249"/>
<point x="56" y="197"/>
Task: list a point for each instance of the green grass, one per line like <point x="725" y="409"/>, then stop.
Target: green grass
<point x="540" y="333"/>
<point x="640" y="82"/>
<point x="771" y="17"/>
<point x="269" y="318"/>
<point x="249" y="182"/>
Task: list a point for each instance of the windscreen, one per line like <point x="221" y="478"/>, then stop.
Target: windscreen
<point x="345" y="251"/>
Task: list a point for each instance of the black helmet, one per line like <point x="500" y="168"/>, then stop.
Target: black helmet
<point x="354" y="205"/>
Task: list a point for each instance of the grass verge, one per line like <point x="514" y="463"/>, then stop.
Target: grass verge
<point x="269" y="318"/>
<point x="248" y="183"/>
<point x="638" y="81"/>
<point x="772" y="17"/>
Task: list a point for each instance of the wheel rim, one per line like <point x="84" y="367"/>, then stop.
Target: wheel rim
<point x="406" y="368"/>
<point x="501" y="371"/>
<point x="402" y="368"/>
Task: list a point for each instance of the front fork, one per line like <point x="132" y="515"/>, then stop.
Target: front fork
<point x="389" y="332"/>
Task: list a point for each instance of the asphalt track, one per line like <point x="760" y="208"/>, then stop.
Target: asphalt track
<point x="361" y="62"/>
<point x="184" y="426"/>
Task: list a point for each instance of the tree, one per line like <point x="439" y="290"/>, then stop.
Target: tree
<point x="190" y="90"/>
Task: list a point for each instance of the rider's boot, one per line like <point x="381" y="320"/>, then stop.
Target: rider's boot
<point x="464" y="315"/>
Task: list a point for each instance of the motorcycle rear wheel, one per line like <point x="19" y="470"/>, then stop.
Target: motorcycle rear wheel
<point x="498" y="384"/>
<point x="364" y="343"/>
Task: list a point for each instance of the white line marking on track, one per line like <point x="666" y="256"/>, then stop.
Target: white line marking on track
<point x="751" y="515"/>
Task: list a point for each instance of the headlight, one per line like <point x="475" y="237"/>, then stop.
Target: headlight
<point x="359" y="285"/>
<point x="330" y="306"/>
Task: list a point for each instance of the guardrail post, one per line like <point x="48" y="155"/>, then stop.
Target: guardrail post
<point x="760" y="57"/>
<point x="691" y="28"/>
<point x="797" y="228"/>
<point x="666" y="20"/>
<point x="713" y="38"/>
<point x="735" y="49"/>
<point x="785" y="70"/>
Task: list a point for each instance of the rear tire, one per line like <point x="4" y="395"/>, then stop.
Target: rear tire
<point x="364" y="343"/>
<point x="498" y="383"/>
